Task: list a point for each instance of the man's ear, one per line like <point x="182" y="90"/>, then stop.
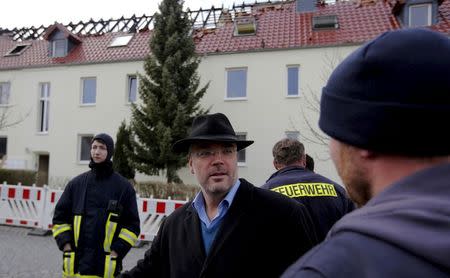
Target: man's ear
<point x="276" y="165"/>
<point x="191" y="168"/>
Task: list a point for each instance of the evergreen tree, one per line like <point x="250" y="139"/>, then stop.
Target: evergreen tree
<point x="121" y="161"/>
<point x="169" y="93"/>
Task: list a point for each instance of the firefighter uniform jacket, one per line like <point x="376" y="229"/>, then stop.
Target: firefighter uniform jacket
<point x="96" y="214"/>
<point x="326" y="201"/>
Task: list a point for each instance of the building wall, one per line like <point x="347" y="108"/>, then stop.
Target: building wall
<point x="265" y="115"/>
<point x="268" y="113"/>
<point x="68" y="118"/>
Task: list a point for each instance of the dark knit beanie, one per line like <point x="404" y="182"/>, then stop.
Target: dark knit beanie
<point x="392" y="95"/>
<point x="108" y="141"/>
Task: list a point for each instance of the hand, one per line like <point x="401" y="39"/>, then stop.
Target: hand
<point x="114" y="254"/>
<point x="67" y="247"/>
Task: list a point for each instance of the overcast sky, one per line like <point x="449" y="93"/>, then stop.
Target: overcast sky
<point x="27" y="13"/>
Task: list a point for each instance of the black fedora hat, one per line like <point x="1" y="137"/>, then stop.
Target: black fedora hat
<point x="210" y="127"/>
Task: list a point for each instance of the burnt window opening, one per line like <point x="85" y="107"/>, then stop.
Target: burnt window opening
<point x="325" y="22"/>
<point x="18" y="49"/>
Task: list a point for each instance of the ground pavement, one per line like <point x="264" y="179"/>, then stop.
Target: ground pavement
<point x="27" y="256"/>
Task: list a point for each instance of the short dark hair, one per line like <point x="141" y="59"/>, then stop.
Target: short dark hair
<point x="288" y="151"/>
<point x="309" y="163"/>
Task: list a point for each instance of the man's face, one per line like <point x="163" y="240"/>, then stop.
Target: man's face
<point x="99" y="152"/>
<point x="214" y="165"/>
<point x="352" y="171"/>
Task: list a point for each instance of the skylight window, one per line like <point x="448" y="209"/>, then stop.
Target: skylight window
<point x="325" y="22"/>
<point x="18" y="49"/>
<point x="245" y="25"/>
<point x="121" y="41"/>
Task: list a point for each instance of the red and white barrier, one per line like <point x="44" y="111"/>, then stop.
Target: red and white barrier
<point x="51" y="198"/>
<point x="152" y="212"/>
<point x="21" y="205"/>
<point x="34" y="207"/>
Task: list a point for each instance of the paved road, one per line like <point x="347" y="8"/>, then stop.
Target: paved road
<point x="27" y="256"/>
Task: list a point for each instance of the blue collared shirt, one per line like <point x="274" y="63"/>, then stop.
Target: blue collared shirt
<point x="210" y="227"/>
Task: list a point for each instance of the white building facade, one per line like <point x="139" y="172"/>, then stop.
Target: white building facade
<point x="67" y="87"/>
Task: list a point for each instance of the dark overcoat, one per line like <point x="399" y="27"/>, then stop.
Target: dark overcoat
<point x="261" y="235"/>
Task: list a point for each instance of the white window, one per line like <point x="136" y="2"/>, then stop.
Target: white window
<point x="44" y="106"/>
<point x="59" y="48"/>
<point x="132" y="88"/>
<point x="293" y="73"/>
<point x="241" y="153"/>
<point x="121" y="41"/>
<point x="85" y="148"/>
<point x="236" y="83"/>
<point x="420" y="15"/>
<point x="89" y="90"/>
<point x="4" y="93"/>
<point x="293" y="135"/>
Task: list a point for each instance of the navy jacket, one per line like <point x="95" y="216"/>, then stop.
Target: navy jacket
<point x="260" y="236"/>
<point x="402" y="232"/>
<point x="89" y="195"/>
<point x="325" y="200"/>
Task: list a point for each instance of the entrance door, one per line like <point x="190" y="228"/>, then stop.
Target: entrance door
<point x="43" y="169"/>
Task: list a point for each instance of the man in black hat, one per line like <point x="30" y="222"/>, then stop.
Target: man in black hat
<point x="96" y="220"/>
<point x="395" y="168"/>
<point x="231" y="228"/>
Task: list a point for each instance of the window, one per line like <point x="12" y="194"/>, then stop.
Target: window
<point x="293" y="135"/>
<point x="237" y="83"/>
<point x="18" y="49"/>
<point x="44" y="106"/>
<point x="89" y="90"/>
<point x="325" y="22"/>
<point x="59" y="48"/>
<point x="419" y="15"/>
<point x="292" y="80"/>
<point x="121" y="41"/>
<point x="132" y="88"/>
<point x="4" y="93"/>
<point x="244" y="25"/>
<point x="241" y="153"/>
<point x="85" y="147"/>
<point x="3" y="146"/>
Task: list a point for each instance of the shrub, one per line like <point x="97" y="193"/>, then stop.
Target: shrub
<point x="161" y="190"/>
<point x="14" y="176"/>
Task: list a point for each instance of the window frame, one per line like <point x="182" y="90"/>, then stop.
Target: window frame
<point x="293" y="66"/>
<point x="44" y="108"/>
<point x="235" y="69"/>
<point x="14" y="52"/>
<point x="429" y="14"/>
<point x="129" y="86"/>
<point x="120" y="41"/>
<point x="83" y="79"/>
<point x="80" y="148"/>
<point x="5" y="84"/>
<point x="64" y="48"/>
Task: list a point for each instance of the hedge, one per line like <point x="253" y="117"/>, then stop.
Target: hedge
<point x="13" y="176"/>
<point x="160" y="190"/>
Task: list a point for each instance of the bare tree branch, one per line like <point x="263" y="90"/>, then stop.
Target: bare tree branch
<point x="311" y="109"/>
<point x="8" y="119"/>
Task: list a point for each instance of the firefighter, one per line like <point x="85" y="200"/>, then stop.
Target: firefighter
<point x="96" y="220"/>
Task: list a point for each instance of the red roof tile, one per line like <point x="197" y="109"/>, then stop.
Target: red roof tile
<point x="279" y="26"/>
